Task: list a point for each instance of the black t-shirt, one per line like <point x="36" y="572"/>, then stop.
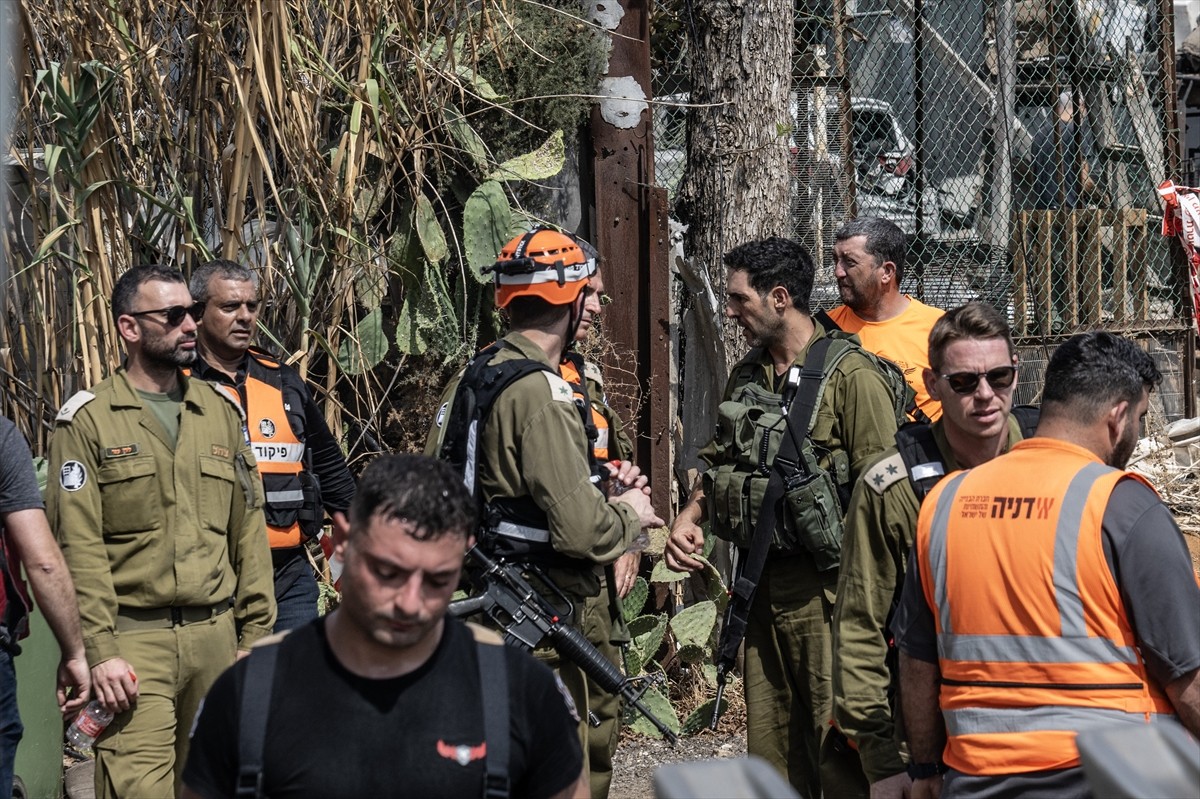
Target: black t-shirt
<point x="331" y="733"/>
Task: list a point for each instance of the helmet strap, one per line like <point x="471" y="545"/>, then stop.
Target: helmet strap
<point x="574" y="319"/>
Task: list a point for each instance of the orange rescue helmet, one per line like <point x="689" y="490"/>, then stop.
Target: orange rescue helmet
<point x="543" y="263"/>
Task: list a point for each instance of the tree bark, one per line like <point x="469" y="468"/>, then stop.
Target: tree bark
<point x="735" y="188"/>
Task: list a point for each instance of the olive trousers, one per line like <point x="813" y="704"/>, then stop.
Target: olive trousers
<point x="143" y="750"/>
<point x="789" y="667"/>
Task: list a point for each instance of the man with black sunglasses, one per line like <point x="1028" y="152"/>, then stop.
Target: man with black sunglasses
<point x="1049" y="592"/>
<point x="303" y="468"/>
<point x="966" y="343"/>
<point x="155" y="499"/>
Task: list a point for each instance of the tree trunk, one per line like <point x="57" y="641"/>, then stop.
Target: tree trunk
<point x="735" y="188"/>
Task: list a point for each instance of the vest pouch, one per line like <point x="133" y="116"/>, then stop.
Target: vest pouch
<point x="726" y="490"/>
<point x="284" y="499"/>
<point x="312" y="513"/>
<point x="815" y="517"/>
<point x="736" y="429"/>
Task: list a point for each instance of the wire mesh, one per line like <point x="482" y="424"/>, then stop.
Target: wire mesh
<point x="1018" y="143"/>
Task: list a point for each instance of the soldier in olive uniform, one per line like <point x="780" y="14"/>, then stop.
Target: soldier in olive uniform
<point x="602" y="622"/>
<point x="789" y="700"/>
<point x="534" y="470"/>
<point x="155" y="499"/>
<point x="973" y="375"/>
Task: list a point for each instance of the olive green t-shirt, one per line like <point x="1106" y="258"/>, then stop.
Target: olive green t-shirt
<point x="165" y="408"/>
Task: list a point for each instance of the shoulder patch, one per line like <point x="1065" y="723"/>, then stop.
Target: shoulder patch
<point x="67" y="412"/>
<point x="886" y="473"/>
<point x="483" y="635"/>
<point x="592" y="372"/>
<point x="560" y="390"/>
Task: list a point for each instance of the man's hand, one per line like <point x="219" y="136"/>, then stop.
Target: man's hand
<point x="75" y="680"/>
<point x="625" y="572"/>
<point x="687" y="539"/>
<point x="241" y="653"/>
<point x="640" y="502"/>
<point x="897" y="786"/>
<point x="114" y="685"/>
<point x="926" y="789"/>
<point x="628" y="475"/>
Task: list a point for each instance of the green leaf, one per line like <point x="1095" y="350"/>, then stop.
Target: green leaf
<point x="658" y="704"/>
<point x="433" y="240"/>
<point x="544" y="162"/>
<point x="664" y="574"/>
<point x="366" y="348"/>
<point x="646" y="635"/>
<point x="694" y="624"/>
<point x="486" y="221"/>
<point x="692" y="653"/>
<point x="701" y="717"/>
<point x="467" y="138"/>
<point x="635" y="600"/>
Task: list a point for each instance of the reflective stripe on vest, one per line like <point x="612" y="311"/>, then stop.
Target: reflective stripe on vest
<point x="1033" y="641"/>
<point x="277" y="449"/>
<point x="569" y="373"/>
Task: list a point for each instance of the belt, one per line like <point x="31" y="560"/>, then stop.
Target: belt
<point x="129" y="619"/>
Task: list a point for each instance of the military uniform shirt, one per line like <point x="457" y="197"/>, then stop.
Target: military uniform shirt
<point x="146" y="525"/>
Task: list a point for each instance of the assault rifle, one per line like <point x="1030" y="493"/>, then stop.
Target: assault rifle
<point x="527" y="620"/>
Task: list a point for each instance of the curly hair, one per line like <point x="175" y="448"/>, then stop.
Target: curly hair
<point x="776" y="261"/>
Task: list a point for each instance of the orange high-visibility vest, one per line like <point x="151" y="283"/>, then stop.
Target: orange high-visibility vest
<point x="1034" y="643"/>
<point x="569" y="373"/>
<point x="279" y="452"/>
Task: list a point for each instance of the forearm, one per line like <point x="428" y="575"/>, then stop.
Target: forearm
<point x="920" y="682"/>
<point x="250" y="557"/>
<point x="48" y="577"/>
<point x="1184" y="694"/>
<point x="695" y="510"/>
<point x="328" y="462"/>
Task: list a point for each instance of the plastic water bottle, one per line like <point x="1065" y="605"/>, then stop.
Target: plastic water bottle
<point x="87" y="726"/>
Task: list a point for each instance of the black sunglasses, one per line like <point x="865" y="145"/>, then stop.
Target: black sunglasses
<point x="175" y="313"/>
<point x="967" y="382"/>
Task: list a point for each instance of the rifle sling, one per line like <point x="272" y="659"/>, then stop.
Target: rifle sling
<point x="799" y="417"/>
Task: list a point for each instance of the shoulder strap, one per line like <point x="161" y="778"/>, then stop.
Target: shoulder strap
<point x="585" y="413"/>
<point x="493" y="682"/>
<point x="800" y="412"/>
<point x="252" y="719"/>
<point x="826" y="321"/>
<point x="1027" y="419"/>
<point x="922" y="458"/>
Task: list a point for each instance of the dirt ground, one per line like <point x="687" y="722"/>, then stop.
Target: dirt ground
<point x="637" y="758"/>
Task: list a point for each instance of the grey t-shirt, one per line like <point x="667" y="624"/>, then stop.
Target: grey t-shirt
<point x="18" y="481"/>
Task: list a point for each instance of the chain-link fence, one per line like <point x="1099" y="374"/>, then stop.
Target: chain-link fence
<point x="1019" y="143"/>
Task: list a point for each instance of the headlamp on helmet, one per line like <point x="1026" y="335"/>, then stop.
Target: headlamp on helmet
<point x="543" y="263"/>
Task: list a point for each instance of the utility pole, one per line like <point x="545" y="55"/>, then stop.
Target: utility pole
<point x="629" y="220"/>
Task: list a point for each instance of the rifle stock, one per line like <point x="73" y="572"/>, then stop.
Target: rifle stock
<point x="528" y="620"/>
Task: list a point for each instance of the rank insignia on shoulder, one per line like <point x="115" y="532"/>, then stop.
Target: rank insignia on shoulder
<point x="592" y="372"/>
<point x="67" y="412"/>
<point x="886" y="473"/>
<point x="121" y="451"/>
<point x="560" y="390"/>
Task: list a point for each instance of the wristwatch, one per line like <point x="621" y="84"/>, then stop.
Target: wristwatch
<point x="923" y="771"/>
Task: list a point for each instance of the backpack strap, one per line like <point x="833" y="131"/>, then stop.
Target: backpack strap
<point x="1027" y="417"/>
<point x="252" y="718"/>
<point x="493" y="682"/>
<point x="922" y="458"/>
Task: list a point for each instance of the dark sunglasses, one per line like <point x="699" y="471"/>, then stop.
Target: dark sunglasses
<point x="967" y="382"/>
<point x="175" y="313"/>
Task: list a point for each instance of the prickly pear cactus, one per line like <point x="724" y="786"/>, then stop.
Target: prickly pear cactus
<point x="701" y="717"/>
<point x="635" y="600"/>
<point x="694" y="625"/>
<point x="647" y="634"/>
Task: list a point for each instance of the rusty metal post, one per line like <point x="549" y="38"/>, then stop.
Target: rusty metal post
<point x="629" y="221"/>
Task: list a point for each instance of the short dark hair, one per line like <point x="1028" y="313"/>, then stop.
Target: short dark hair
<point x="203" y="275"/>
<point x="975" y="320"/>
<point x="775" y="261"/>
<point x="1091" y="372"/>
<point x="885" y="241"/>
<point x="128" y="284"/>
<point x="417" y="489"/>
